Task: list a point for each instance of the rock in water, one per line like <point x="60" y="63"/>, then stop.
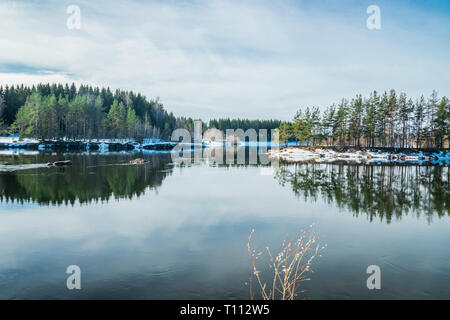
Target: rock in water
<point x="138" y="161"/>
<point x="60" y="163"/>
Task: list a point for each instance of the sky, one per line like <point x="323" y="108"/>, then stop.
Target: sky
<point x="227" y="58"/>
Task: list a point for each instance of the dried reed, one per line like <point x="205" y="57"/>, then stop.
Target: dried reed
<point x="290" y="266"/>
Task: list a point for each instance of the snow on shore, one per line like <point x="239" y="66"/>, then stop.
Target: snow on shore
<point x="14" y="141"/>
<point x="102" y="145"/>
<point x="328" y="155"/>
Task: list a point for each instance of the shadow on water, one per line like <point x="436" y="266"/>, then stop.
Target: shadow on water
<point x="379" y="191"/>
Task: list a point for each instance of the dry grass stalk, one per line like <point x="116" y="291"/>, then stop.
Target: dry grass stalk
<point x="290" y="266"/>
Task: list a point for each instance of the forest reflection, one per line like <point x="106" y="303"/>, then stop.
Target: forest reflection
<point x="90" y="178"/>
<point x="97" y="177"/>
<point x="383" y="192"/>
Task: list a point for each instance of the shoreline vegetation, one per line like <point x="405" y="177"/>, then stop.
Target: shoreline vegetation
<point x="63" y="112"/>
<point x="63" y="118"/>
<point x="388" y="120"/>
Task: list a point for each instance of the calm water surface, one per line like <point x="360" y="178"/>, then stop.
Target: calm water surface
<point x="164" y="231"/>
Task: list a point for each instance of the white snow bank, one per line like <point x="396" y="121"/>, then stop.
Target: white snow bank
<point x="326" y="155"/>
<point x="15" y="141"/>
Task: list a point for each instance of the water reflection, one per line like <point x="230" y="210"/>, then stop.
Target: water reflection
<point x="101" y="177"/>
<point x="189" y="241"/>
<point x="383" y="191"/>
<point x="90" y="178"/>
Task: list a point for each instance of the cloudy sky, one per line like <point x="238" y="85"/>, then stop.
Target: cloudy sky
<point x="229" y="58"/>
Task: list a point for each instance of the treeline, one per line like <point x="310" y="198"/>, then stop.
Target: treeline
<point x="244" y="124"/>
<point x="61" y="111"/>
<point x="387" y="120"/>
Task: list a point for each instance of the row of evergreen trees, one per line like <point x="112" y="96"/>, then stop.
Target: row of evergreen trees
<point x="387" y="120"/>
<point x="55" y="111"/>
<point x="61" y="111"/>
<point x="244" y="124"/>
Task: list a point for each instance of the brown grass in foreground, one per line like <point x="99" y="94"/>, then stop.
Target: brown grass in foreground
<point x="290" y="266"/>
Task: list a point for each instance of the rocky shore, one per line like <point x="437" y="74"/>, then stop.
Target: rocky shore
<point x="320" y="154"/>
<point x="81" y="146"/>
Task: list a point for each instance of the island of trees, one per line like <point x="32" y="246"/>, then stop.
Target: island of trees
<point x="56" y="112"/>
<point x="386" y="120"/>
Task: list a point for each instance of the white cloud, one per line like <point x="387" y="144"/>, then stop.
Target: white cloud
<point x="222" y="58"/>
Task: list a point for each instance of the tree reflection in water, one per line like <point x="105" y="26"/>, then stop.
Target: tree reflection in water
<point x="383" y="191"/>
<point x="90" y="178"/>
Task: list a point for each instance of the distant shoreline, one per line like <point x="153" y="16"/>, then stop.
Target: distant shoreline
<point x="82" y="146"/>
<point x="33" y="144"/>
